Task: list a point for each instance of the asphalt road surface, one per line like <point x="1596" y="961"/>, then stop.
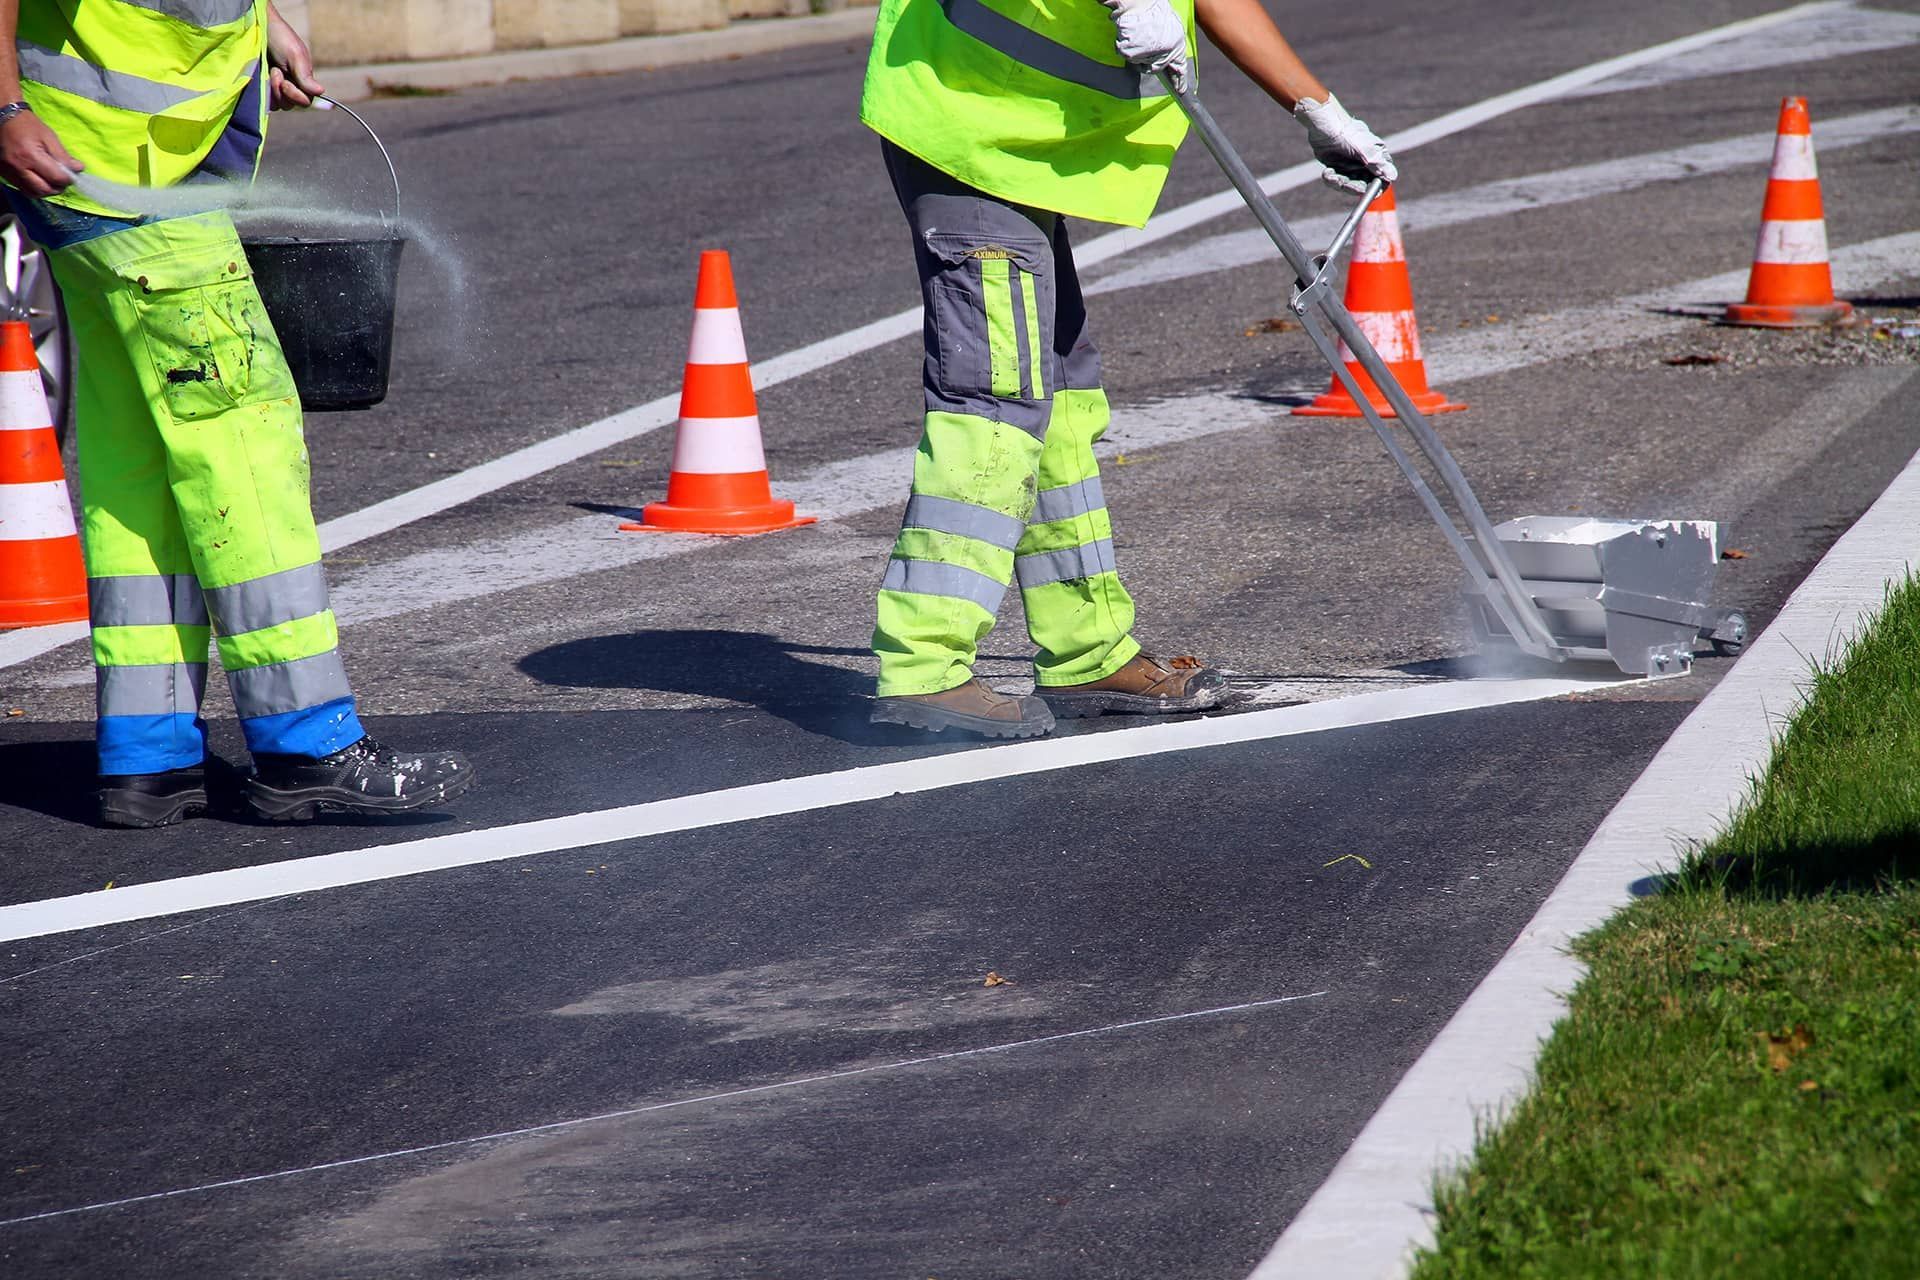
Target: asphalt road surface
<point x="762" y="1042"/>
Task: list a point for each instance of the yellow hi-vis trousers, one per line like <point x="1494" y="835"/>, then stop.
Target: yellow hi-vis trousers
<point x="196" y="520"/>
<point x="1004" y="483"/>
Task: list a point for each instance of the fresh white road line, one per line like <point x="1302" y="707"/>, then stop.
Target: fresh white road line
<point x="627" y="1113"/>
<point x="570" y="446"/>
<point x="1376" y="1207"/>
<point x="1235" y="249"/>
<point x="760" y="800"/>
<point x="1835" y="34"/>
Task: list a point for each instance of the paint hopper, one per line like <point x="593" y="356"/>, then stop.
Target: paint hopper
<point x="1564" y="588"/>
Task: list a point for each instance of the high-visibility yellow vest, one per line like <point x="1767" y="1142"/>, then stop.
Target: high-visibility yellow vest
<point x="140" y="93"/>
<point x="1026" y="100"/>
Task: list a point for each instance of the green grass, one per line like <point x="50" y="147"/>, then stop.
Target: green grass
<point x="1735" y="1090"/>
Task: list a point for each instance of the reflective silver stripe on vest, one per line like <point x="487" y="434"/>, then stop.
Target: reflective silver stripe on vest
<point x="289" y="686"/>
<point x="948" y="515"/>
<point x="198" y="13"/>
<point x="1042" y="567"/>
<point x="1068" y="501"/>
<point x="163" y="689"/>
<point x="268" y="601"/>
<point x="1025" y="45"/>
<point x="932" y="578"/>
<point x="146" y="600"/>
<point x="97" y="84"/>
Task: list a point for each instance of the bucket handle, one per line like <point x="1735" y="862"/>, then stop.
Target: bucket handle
<point x="328" y="104"/>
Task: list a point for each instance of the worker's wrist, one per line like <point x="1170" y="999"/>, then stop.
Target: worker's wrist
<point x="10" y="110"/>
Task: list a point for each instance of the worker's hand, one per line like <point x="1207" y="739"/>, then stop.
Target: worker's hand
<point x="1352" y="154"/>
<point x="290" y="65"/>
<point x="1150" y="35"/>
<point x="32" y="161"/>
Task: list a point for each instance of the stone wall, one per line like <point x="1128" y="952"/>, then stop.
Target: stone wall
<point x="344" y="32"/>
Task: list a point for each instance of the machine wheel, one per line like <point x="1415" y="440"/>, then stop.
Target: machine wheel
<point x="1734" y="625"/>
<point x="26" y="285"/>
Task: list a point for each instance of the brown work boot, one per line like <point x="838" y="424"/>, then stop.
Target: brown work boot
<point x="1145" y="686"/>
<point x="971" y="707"/>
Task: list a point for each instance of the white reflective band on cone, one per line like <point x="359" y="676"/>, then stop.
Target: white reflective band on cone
<point x="718" y="446"/>
<point x="716" y="337"/>
<point x="1793" y="158"/>
<point x="1378" y="238"/>
<point x="23" y="404"/>
<point x="1792" y="242"/>
<point x="1394" y="334"/>
<point x="29" y="512"/>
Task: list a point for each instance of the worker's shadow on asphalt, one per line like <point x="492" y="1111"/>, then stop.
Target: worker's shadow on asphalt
<point x="53" y="778"/>
<point x="739" y="666"/>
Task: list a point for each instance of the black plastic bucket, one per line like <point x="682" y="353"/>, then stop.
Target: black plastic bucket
<point x="331" y="302"/>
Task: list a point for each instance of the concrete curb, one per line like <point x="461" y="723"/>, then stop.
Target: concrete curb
<point x="1376" y="1208"/>
<point x="636" y="53"/>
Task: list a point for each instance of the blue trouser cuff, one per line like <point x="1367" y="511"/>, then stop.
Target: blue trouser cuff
<point x="150" y="744"/>
<point x="311" y="731"/>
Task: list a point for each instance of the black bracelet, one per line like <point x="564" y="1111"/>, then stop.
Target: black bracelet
<point x="12" y="109"/>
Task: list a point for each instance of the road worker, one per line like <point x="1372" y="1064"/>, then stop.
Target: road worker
<point x="193" y="472"/>
<point x="1000" y="118"/>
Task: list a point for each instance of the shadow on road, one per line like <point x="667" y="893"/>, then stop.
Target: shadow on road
<point x="740" y="666"/>
<point x="54" y="778"/>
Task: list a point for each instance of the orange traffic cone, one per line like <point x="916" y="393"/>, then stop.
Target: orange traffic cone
<point x="719" y="478"/>
<point x="1791" y="286"/>
<point x="42" y="578"/>
<point x="1380" y="296"/>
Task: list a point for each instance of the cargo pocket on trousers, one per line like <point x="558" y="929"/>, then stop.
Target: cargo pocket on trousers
<point x="208" y="336"/>
<point x="979" y="325"/>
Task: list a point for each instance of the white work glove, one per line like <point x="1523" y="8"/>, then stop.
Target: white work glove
<point x="1352" y="154"/>
<point x="1151" y="36"/>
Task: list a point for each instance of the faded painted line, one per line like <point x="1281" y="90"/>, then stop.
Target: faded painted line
<point x="485" y="567"/>
<point x="589" y="544"/>
<point x="451" y="491"/>
<point x="1657" y="313"/>
<point x="760" y="800"/>
<point x="627" y="1113"/>
<point x="1835" y="34"/>
<point x="430" y="499"/>
<point x="1237" y="249"/>
<point x="1376" y="1207"/>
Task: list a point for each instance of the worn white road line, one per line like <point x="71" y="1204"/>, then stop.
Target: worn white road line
<point x="592" y="543"/>
<point x="430" y="499"/>
<point x="589" y="544"/>
<point x="760" y="800"/>
<point x="570" y="446"/>
<point x="1236" y="249"/>
<point x="1835" y="34"/>
<point x="1377" y="1206"/>
<point x="627" y="1113"/>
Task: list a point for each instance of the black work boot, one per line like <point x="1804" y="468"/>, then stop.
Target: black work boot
<point x="1146" y="685"/>
<point x="972" y="707"/>
<point x="365" y="778"/>
<point x="152" y="799"/>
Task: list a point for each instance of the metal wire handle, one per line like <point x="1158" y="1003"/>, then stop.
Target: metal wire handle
<point x="331" y="104"/>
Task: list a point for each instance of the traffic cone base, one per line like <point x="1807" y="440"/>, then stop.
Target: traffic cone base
<point x="1336" y="403"/>
<point x="1760" y="315"/>
<point x="42" y="576"/>
<point x="719" y="479"/>
<point x="1791" y="285"/>
<point x="1379" y="294"/>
